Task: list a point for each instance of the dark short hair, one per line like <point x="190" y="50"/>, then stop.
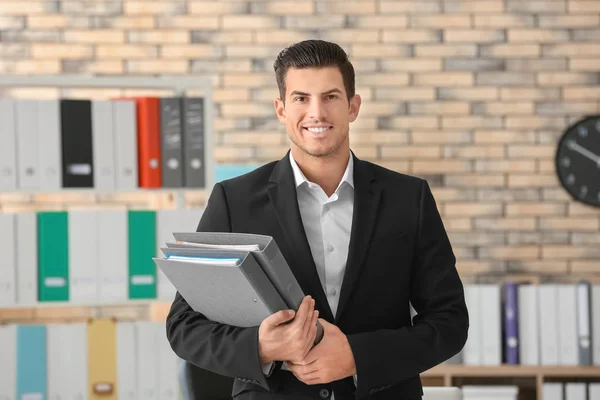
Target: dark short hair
<point x="314" y="54"/>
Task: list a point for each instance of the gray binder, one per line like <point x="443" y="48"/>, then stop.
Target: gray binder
<point x="103" y="145"/>
<point x="171" y="142"/>
<point x="8" y="145"/>
<point x="50" y="151"/>
<point x="268" y="256"/>
<point x="239" y="295"/>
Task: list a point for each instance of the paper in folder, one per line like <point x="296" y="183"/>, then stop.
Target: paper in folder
<point x="232" y="278"/>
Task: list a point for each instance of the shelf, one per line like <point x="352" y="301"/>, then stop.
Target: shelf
<point x="512" y="371"/>
<point x="66" y="304"/>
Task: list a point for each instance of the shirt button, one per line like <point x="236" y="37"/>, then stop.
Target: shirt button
<point x="329" y="248"/>
<point x="333" y="292"/>
<point x="324" y="393"/>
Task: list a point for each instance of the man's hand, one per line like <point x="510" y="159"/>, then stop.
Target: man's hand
<point x="279" y="340"/>
<point x="329" y="361"/>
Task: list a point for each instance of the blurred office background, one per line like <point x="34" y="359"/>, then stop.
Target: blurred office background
<point x="473" y="96"/>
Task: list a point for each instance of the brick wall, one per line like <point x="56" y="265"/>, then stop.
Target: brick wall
<point x="471" y="95"/>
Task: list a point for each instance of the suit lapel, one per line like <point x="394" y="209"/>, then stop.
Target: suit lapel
<point x="282" y="194"/>
<point x="367" y="194"/>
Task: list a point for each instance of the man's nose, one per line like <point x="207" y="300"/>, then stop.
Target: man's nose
<point x="317" y="110"/>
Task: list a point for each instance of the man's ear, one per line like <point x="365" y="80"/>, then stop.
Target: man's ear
<point x="280" y="110"/>
<point x="355" y="103"/>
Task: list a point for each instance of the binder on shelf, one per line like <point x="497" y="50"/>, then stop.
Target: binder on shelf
<point x="148" y="131"/>
<point x="102" y="359"/>
<point x="567" y="325"/>
<point x="168" y="383"/>
<point x="103" y="145"/>
<point x="27" y="258"/>
<point x="147" y="360"/>
<point x="126" y="361"/>
<point x="31" y="362"/>
<point x="171" y="142"/>
<point x="549" y="338"/>
<point x="192" y="110"/>
<point x="8" y="273"/>
<point x="125" y="138"/>
<point x="583" y="316"/>
<point x="472" y="351"/>
<point x="575" y="391"/>
<point x="529" y="349"/>
<point x="27" y="145"/>
<point x="113" y="256"/>
<point x="142" y="242"/>
<point x="596" y="324"/>
<point x="8" y="145"/>
<point x="8" y="362"/>
<point x="511" y="323"/>
<point x="49" y="131"/>
<point x="491" y="338"/>
<point x="77" y="151"/>
<point x="53" y="253"/>
<point x="552" y="391"/>
<point x="83" y="256"/>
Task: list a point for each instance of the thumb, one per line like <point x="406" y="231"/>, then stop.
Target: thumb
<point x="280" y="317"/>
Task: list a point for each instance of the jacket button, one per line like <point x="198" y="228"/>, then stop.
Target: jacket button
<point x="324" y="393"/>
<point x="371" y="391"/>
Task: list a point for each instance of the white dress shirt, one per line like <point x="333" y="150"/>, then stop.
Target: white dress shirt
<point x="327" y="222"/>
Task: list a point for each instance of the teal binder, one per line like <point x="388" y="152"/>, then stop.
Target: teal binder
<point x="31" y="362"/>
<point x="142" y="248"/>
<point x="53" y="256"/>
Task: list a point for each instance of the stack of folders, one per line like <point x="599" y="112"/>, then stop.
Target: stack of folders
<point x="231" y="278"/>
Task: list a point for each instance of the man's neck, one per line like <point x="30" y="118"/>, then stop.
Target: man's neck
<point x="326" y="172"/>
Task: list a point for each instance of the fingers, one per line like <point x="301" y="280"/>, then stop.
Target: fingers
<point x="312" y="333"/>
<point x="305" y="309"/>
<point x="309" y="317"/>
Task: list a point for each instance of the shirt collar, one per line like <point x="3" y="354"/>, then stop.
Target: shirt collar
<point x="348" y="176"/>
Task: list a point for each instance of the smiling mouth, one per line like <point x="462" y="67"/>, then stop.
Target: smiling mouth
<point x="318" y="130"/>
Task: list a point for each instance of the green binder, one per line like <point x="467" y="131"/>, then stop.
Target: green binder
<point x="53" y="256"/>
<point x="142" y="248"/>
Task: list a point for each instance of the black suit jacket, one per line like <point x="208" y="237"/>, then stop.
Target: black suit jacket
<point x="399" y="252"/>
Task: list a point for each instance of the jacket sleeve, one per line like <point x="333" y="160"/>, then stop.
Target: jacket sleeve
<point x="223" y="349"/>
<point x="386" y="357"/>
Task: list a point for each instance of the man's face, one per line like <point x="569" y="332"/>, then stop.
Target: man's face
<point x="316" y="111"/>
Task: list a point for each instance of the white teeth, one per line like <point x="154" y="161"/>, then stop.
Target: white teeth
<point x="318" y="130"/>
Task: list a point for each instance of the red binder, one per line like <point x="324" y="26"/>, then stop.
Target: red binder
<point x="149" y="157"/>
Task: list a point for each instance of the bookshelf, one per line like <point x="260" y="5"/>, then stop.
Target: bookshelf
<point x="179" y="86"/>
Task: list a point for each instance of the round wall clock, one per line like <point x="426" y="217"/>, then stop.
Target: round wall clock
<point x="578" y="160"/>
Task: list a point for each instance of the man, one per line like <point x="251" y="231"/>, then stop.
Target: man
<point x="362" y="242"/>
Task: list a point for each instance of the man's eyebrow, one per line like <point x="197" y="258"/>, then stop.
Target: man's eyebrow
<point x="299" y="93"/>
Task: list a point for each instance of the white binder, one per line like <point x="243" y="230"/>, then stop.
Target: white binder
<point x="126" y="361"/>
<point x="491" y="317"/>
<point x="83" y="257"/>
<point x="67" y="361"/>
<point x="596" y="324"/>
<point x="49" y="142"/>
<point x="8" y="145"/>
<point x="568" y="353"/>
<point x="472" y="349"/>
<point x="125" y="135"/>
<point x="27" y="260"/>
<point x="594" y="390"/>
<point x="112" y="251"/>
<point x="575" y="391"/>
<point x="8" y="362"/>
<point x="549" y="324"/>
<point x="77" y="354"/>
<point x="147" y="360"/>
<point x="103" y="147"/>
<point x="552" y="391"/>
<point x="28" y="175"/>
<point x="529" y="352"/>
<point x="8" y="278"/>
<point x="168" y="385"/>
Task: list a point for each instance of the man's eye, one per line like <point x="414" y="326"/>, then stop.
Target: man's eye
<point x="331" y="96"/>
<point x="300" y="98"/>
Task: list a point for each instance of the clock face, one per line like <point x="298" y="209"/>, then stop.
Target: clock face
<point x="578" y="161"/>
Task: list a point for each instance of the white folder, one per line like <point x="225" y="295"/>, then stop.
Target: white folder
<point x="549" y="324"/>
<point x="147" y="361"/>
<point x="112" y="251"/>
<point x="552" y="391"/>
<point x="8" y="362"/>
<point x="575" y="391"/>
<point x="594" y="391"/>
<point x="28" y="175"/>
<point x="27" y="260"/>
<point x="8" y="278"/>
<point x="103" y="146"/>
<point x="472" y="349"/>
<point x="83" y="257"/>
<point x="49" y="142"/>
<point x="491" y="317"/>
<point x="8" y="145"/>
<point x="77" y="354"/>
<point x="529" y="351"/>
<point x="125" y="135"/>
<point x="567" y="325"/>
<point x="57" y="363"/>
<point x="168" y="385"/>
<point x="126" y="361"/>
<point x="596" y="324"/>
